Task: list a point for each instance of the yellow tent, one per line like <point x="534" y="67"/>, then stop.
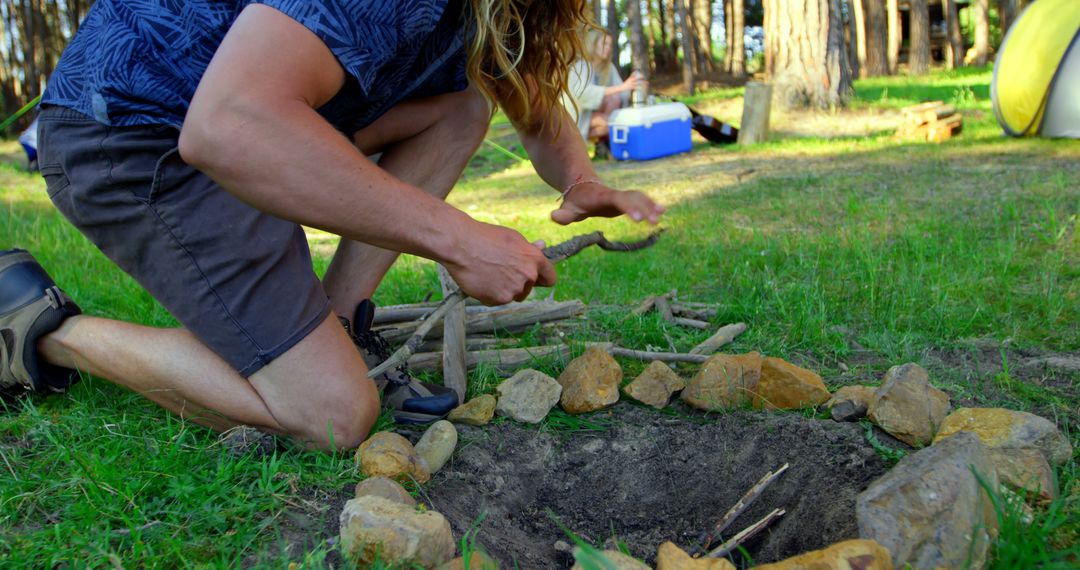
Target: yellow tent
<point x="1036" y="85"/>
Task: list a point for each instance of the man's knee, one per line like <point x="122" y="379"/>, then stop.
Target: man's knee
<point x="347" y="424"/>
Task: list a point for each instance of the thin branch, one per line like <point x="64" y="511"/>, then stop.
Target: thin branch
<point x="738" y="508"/>
<point x="555" y="254"/>
<point x="746" y="534"/>
<point x="648" y="355"/>
<point x="724" y="335"/>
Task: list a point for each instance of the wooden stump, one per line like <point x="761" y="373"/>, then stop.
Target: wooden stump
<point x="757" y="104"/>
<point x="933" y="121"/>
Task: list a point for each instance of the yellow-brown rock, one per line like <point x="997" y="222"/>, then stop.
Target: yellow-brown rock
<point x="671" y="557"/>
<point x="613" y="560"/>
<point x="477" y="561"/>
<point x="373" y="527"/>
<point x="724" y="381"/>
<point x="907" y="406"/>
<point x="386" y="488"/>
<point x="389" y="455"/>
<point x="850" y="403"/>
<point x="655" y="385"/>
<point x="590" y="382"/>
<point x="476" y="412"/>
<point x="847" y="555"/>
<point x="784" y="386"/>
<point x="1021" y="445"/>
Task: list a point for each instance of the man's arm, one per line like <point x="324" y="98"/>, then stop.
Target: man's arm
<point x="253" y="128"/>
<point x="559" y="156"/>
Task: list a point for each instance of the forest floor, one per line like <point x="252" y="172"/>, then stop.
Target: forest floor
<point x="845" y="250"/>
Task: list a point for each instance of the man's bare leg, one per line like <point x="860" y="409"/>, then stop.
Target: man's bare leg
<point x="426" y="143"/>
<point x="317" y="392"/>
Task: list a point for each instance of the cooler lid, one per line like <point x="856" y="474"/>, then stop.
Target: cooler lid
<point x="647" y="115"/>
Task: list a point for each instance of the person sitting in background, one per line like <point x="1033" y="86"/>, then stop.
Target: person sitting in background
<point x="595" y="89"/>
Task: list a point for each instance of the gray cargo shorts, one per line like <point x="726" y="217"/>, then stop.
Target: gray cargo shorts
<point x="239" y="279"/>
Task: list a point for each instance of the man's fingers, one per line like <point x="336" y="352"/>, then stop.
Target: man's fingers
<point x="546" y="276"/>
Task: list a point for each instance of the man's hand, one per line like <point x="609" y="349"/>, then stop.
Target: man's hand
<point x="497" y="265"/>
<point x="593" y="199"/>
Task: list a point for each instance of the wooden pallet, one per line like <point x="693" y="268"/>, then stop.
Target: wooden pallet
<point x="933" y="121"/>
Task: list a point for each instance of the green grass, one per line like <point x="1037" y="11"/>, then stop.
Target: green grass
<point x="817" y="243"/>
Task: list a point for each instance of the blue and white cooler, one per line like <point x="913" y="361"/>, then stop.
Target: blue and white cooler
<point x="643" y="133"/>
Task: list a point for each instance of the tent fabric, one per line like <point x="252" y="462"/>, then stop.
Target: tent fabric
<point x="1036" y="71"/>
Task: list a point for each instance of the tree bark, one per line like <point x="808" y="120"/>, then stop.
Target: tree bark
<point x="686" y="42"/>
<point x="919" y="55"/>
<point x="703" y="35"/>
<point x="1008" y="10"/>
<point x="729" y="35"/>
<point x="980" y="11"/>
<point x="859" y="14"/>
<point x="895" y="34"/>
<point x="738" y="32"/>
<point x="876" y="39"/>
<point x="613" y="29"/>
<point x="851" y="38"/>
<point x="954" y="48"/>
<point x="672" y="34"/>
<point x="810" y="65"/>
<point x="639" y="45"/>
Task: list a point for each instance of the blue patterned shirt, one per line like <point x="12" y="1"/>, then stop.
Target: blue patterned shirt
<point x="138" y="62"/>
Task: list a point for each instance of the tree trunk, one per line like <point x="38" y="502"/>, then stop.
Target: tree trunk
<point x="860" y="40"/>
<point x="954" y="48"/>
<point x="703" y="35"/>
<point x="1008" y="10"/>
<point x="919" y="55"/>
<point x="980" y="11"/>
<point x="772" y="36"/>
<point x="810" y="64"/>
<point x="639" y="45"/>
<point x="729" y="35"/>
<point x="613" y="30"/>
<point x="672" y="35"/>
<point x="851" y="37"/>
<point x="738" y="34"/>
<point x="895" y="34"/>
<point x="877" y="59"/>
<point x="687" y="46"/>
<point x="597" y="10"/>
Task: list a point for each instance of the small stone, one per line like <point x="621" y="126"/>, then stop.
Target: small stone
<point x="477" y="561"/>
<point x="437" y="444"/>
<point x="242" y="440"/>
<point x="386" y="488"/>
<point x="395" y="533"/>
<point x="850" y="403"/>
<point x="907" y="406"/>
<point x="476" y="412"/>
<point x="724" y="381"/>
<point x="615" y="561"/>
<point x="847" y="555"/>
<point x="784" y="386"/>
<point x="1021" y="445"/>
<point x="590" y="382"/>
<point x="390" y="455"/>
<point x="655" y="385"/>
<point x="671" y="557"/>
<point x="528" y="396"/>
<point x="930" y="510"/>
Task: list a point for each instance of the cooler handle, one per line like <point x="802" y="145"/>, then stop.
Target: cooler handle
<point x="618" y="134"/>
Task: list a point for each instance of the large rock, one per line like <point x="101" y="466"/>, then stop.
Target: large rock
<point x="374" y="527"/>
<point x="590" y="382"/>
<point x="850" y="403"/>
<point x="615" y="560"/>
<point x="724" y="381"/>
<point x="386" y="488"/>
<point x="655" y="385"/>
<point x="907" y="406"/>
<point x="784" y="386"/>
<point x="1021" y="445"/>
<point x="528" y="396"/>
<point x="671" y="557"/>
<point x="390" y="455"/>
<point x="476" y="412"/>
<point x="437" y="444"/>
<point x="477" y="561"/>
<point x="847" y="555"/>
<point x="930" y="510"/>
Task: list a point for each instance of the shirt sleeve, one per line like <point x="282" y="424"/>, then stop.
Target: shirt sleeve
<point x="581" y="88"/>
<point x="362" y="34"/>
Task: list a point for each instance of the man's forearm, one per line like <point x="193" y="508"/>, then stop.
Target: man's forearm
<point x="558" y="155"/>
<point x="284" y="159"/>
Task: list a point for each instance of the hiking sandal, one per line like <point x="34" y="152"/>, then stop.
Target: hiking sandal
<point x="31" y="306"/>
<point x="412" y="401"/>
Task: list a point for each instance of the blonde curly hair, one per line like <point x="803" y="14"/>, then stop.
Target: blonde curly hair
<point x="520" y="48"/>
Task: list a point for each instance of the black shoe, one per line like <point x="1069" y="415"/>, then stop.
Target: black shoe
<point x="413" y="401"/>
<point x="31" y="306"/>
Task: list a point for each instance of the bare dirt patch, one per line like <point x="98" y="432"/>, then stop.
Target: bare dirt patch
<point x="643" y="478"/>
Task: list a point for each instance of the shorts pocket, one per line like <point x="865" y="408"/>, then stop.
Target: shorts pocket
<point x="56" y="181"/>
<point x="166" y="173"/>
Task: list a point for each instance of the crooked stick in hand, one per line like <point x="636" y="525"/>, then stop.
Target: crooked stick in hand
<point x="554" y="254"/>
